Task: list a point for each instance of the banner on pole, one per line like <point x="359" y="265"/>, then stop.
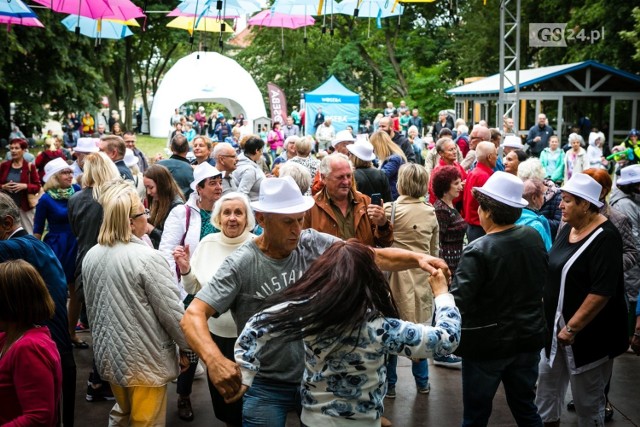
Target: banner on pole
<point x="277" y="103"/>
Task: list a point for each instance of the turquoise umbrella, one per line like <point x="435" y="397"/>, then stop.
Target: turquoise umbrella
<point x="97" y="28"/>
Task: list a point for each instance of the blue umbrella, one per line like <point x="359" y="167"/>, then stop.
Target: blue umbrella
<point x="16" y="8"/>
<point x="96" y="28"/>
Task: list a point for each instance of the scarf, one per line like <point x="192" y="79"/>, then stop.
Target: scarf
<point x="61" y="193"/>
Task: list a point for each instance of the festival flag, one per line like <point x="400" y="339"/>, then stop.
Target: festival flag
<point x="277" y="103"/>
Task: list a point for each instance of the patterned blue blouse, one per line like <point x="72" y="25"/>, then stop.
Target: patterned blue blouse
<point x="346" y="385"/>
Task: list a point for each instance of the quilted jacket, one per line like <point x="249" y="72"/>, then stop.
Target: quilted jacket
<point x="134" y="310"/>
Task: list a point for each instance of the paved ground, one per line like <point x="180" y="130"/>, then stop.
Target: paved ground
<point x="443" y="407"/>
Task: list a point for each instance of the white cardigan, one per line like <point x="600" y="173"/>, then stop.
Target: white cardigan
<point x="206" y="260"/>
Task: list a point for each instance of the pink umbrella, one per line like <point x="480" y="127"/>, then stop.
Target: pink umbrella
<point x="94" y="9"/>
<point x="268" y="18"/>
<point x="124" y="10"/>
<point x="16" y="20"/>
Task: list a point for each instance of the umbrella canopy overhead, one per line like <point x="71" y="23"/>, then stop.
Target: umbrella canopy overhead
<point x="97" y="28"/>
<point x="16" y="12"/>
<point x="230" y="8"/>
<point x="369" y="8"/>
<point x="123" y="10"/>
<point x="266" y="18"/>
<point x="89" y="8"/>
<point x="211" y="25"/>
<point x="305" y="7"/>
<point x="17" y="20"/>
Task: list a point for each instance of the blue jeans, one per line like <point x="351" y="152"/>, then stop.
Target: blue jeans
<point x="267" y="403"/>
<point x="419" y="369"/>
<point x="480" y="381"/>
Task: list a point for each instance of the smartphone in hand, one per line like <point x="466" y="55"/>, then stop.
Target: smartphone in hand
<point x="376" y="199"/>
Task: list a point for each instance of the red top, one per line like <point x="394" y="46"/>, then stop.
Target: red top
<point x="476" y="178"/>
<point x="30" y="380"/>
<point x="463" y="176"/>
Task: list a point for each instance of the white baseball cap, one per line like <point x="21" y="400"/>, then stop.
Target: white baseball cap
<point x="281" y="196"/>
<point x="505" y="188"/>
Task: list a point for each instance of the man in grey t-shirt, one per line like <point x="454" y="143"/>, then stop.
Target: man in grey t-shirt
<point x="262" y="267"/>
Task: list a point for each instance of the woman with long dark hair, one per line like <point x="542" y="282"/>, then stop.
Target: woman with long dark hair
<point x="348" y="322"/>
<point x="163" y="194"/>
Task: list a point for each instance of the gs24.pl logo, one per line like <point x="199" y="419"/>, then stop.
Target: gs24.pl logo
<point x="558" y="35"/>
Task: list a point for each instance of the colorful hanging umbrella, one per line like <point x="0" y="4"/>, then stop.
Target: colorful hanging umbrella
<point x="304" y="7"/>
<point x="94" y="9"/>
<point x="266" y="18"/>
<point x="211" y="25"/>
<point x="16" y="12"/>
<point x="97" y="28"/>
<point x="229" y="9"/>
<point x="369" y="8"/>
<point x="124" y="10"/>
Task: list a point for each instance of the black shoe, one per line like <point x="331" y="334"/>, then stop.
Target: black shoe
<point x="185" y="412"/>
<point x="571" y="407"/>
<point x="103" y="392"/>
<point x="608" y="412"/>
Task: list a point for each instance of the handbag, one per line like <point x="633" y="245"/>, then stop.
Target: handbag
<point x="33" y="198"/>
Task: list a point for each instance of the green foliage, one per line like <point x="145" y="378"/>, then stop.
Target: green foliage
<point x="633" y="35"/>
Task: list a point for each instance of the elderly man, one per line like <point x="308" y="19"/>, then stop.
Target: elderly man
<point x="478" y="134"/>
<point x="386" y="124"/>
<point x="507" y="126"/>
<point x="533" y="193"/>
<point x="16" y="243"/>
<point x="226" y="162"/>
<point x="130" y="141"/>
<point x="114" y="147"/>
<point x="343" y="138"/>
<point x="85" y="147"/>
<point x="538" y="137"/>
<point x="178" y="164"/>
<point x="262" y="267"/>
<point x="487" y="156"/>
<point x="290" y="129"/>
<point x="416" y="120"/>
<point x="341" y="211"/>
<point x="325" y="133"/>
<point x="443" y="122"/>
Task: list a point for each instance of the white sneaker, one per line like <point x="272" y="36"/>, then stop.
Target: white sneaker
<point x="200" y="370"/>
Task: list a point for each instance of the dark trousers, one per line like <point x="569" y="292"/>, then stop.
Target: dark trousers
<point x="68" y="363"/>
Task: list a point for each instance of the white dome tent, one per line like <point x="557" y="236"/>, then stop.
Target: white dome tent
<point x="205" y="77"/>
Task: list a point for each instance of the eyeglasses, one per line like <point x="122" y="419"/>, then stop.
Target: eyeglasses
<point x="145" y="212"/>
<point x="229" y="155"/>
<point x="66" y="172"/>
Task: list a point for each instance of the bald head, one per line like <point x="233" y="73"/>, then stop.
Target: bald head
<point x="487" y="154"/>
<point x="482" y="132"/>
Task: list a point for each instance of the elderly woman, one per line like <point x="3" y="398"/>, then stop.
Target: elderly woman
<point x="19" y="179"/>
<point x="137" y="361"/>
<point x="391" y="157"/>
<point x="584" y="304"/>
<point x="299" y="173"/>
<point x="52" y="210"/>
<point x="369" y="180"/>
<point x="576" y="159"/>
<point x="248" y="174"/>
<point x="447" y="153"/>
<point x="288" y="153"/>
<point x="303" y="156"/>
<point x="415" y="228"/>
<point x="163" y="194"/>
<point x="447" y="185"/>
<point x="30" y="372"/>
<point x="233" y="215"/>
<point x="513" y="160"/>
<point x="498" y="287"/>
<point x="532" y="168"/>
<point x="202" y="147"/>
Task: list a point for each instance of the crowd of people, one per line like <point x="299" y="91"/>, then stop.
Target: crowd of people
<point x="294" y="270"/>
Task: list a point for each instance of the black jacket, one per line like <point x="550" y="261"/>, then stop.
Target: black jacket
<point x="498" y="288"/>
<point x="372" y="180"/>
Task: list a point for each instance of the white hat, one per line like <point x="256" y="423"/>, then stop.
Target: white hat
<point x="585" y="187"/>
<point x="629" y="175"/>
<point x="130" y="159"/>
<point x="53" y="167"/>
<point x="87" y="145"/>
<point x="342" y="136"/>
<point x="513" y="141"/>
<point x="203" y="171"/>
<point x="362" y="149"/>
<point x="505" y="188"/>
<point x="281" y="196"/>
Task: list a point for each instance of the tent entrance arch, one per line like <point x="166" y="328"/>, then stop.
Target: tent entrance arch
<point x="205" y="77"/>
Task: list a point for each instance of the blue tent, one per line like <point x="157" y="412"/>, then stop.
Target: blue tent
<point x="337" y="102"/>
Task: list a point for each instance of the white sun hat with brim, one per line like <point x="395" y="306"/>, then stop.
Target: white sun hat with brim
<point x="53" y="167"/>
<point x="130" y="159"/>
<point x="281" y="196"/>
<point x="342" y="136"/>
<point x="513" y="141"/>
<point x="203" y="171"/>
<point x="87" y="145"/>
<point x="362" y="149"/>
<point x="629" y="175"/>
<point x="504" y="188"/>
<point x="585" y="187"/>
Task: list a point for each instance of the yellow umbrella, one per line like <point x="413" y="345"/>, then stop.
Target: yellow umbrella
<point x="212" y="25"/>
<point x="129" y="23"/>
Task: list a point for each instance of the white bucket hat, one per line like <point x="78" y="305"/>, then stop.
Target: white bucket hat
<point x="342" y="136"/>
<point x="281" y="196"/>
<point x="513" y="141"/>
<point x="87" y="145"/>
<point x="363" y="150"/>
<point x="130" y="159"/>
<point x="505" y="188"/>
<point x="629" y="175"/>
<point x="203" y="171"/>
<point x="585" y="187"/>
<point x="53" y="167"/>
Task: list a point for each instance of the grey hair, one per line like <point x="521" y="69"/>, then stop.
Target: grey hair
<point x="9" y="208"/>
<point x="303" y="145"/>
<point x="533" y="187"/>
<point x="299" y="173"/>
<point x="291" y="138"/>
<point x="325" y="164"/>
<point x="440" y="144"/>
<point x="463" y="128"/>
<point x="219" y="147"/>
<point x="234" y="195"/>
<point x="530" y="169"/>
<point x="576" y="137"/>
